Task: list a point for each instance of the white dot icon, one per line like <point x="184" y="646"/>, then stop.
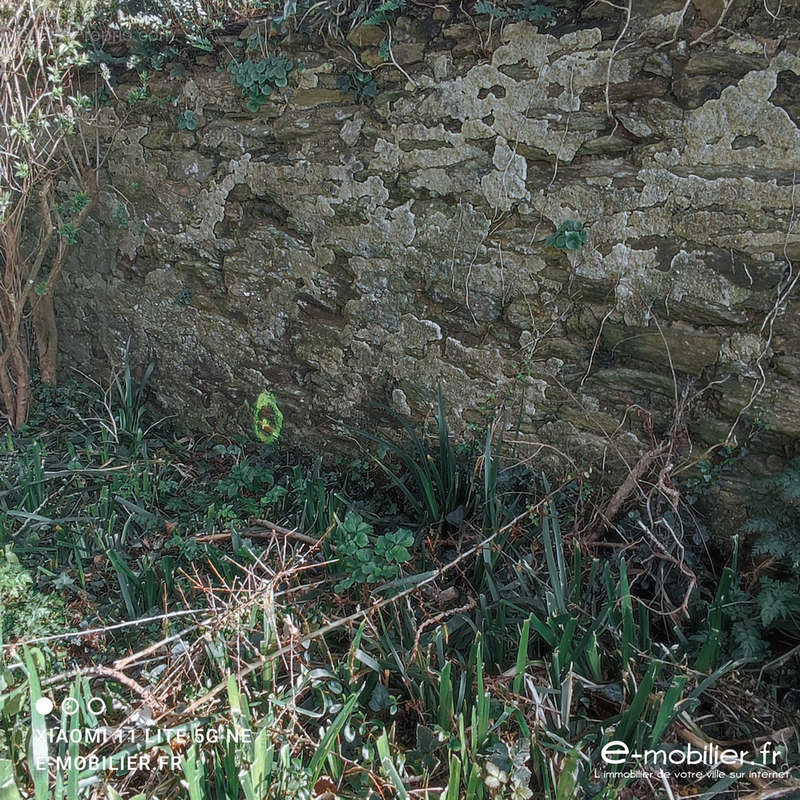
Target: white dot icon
<point x="69" y="706"/>
<point x="44" y="705"/>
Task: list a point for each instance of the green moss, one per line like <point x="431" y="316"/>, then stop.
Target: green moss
<point x="267" y="418"/>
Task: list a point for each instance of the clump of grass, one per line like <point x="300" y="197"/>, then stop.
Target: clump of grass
<point x="436" y="485"/>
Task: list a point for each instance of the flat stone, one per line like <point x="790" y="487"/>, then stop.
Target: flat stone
<point x="308" y="98"/>
<point x="709" y="10"/>
<point x="366" y="35"/>
<point x="157" y="139"/>
<point x="723" y="62"/>
<point x="778" y="404"/>
<point x="689" y="351"/>
<point x="658" y="63"/>
<point x="605" y="145"/>
<point x="622" y="379"/>
<point x="788" y="366"/>
<point x="408" y="53"/>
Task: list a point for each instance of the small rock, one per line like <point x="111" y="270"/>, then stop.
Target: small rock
<point x="658" y="64"/>
<point x="157" y="139"/>
<point x="400" y="402"/>
<point x="408" y="53"/>
<point x="460" y="30"/>
<point x="308" y="98"/>
<point x="788" y="366"/>
<point x="372" y="57"/>
<point x="442" y="64"/>
<point x="350" y="131"/>
<point x="727" y="63"/>
<point x="709" y="10"/>
<point x="635" y="124"/>
<point x="366" y="35"/>
<point x="605" y="146"/>
<point x="448" y="596"/>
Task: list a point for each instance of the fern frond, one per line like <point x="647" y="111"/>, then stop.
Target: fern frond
<point x="777" y="600"/>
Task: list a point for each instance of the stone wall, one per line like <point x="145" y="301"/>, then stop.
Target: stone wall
<point x="343" y="254"/>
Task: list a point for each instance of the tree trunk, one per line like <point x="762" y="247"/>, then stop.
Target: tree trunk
<point x="7" y="395"/>
<point x="44" y="325"/>
<point x="15" y="386"/>
<point x="22" y="374"/>
<point x="42" y="307"/>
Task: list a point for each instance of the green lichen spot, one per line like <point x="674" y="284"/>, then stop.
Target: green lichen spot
<point x="267" y="418"/>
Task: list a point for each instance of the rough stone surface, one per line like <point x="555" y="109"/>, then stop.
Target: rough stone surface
<point x="343" y="254"/>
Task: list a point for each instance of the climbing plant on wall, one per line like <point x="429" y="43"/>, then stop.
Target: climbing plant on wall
<point x="258" y="78"/>
<point x="571" y="235"/>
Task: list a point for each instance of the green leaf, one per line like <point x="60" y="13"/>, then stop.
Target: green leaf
<point x="522" y="655"/>
<point x="400" y="555"/>
<point x="187" y="121"/>
<point x="326" y="745"/>
<point x="668" y="709"/>
<point x="267" y="417"/>
<point x="39" y="755"/>
<point x="389" y="769"/>
<point x="380" y="699"/>
<point x="570" y="235"/>
<point x="200" y="43"/>
<point x="568" y="780"/>
<point x="776" y="600"/>
<point x="8" y="786"/>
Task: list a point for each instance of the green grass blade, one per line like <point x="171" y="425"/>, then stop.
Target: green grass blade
<point x="445" y="697"/>
<point x="474" y="784"/>
<point x="522" y="656"/>
<point x="626" y="603"/>
<point x="635" y="712"/>
<point x="707" y="658"/>
<point x="554" y="557"/>
<point x="667" y="712"/>
<point x="568" y="780"/>
<point x="454" y="779"/>
<point x="39" y="750"/>
<point x="328" y="740"/>
<point x="8" y="785"/>
<point x="194" y="772"/>
<point x="543" y="630"/>
<point x="389" y="769"/>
